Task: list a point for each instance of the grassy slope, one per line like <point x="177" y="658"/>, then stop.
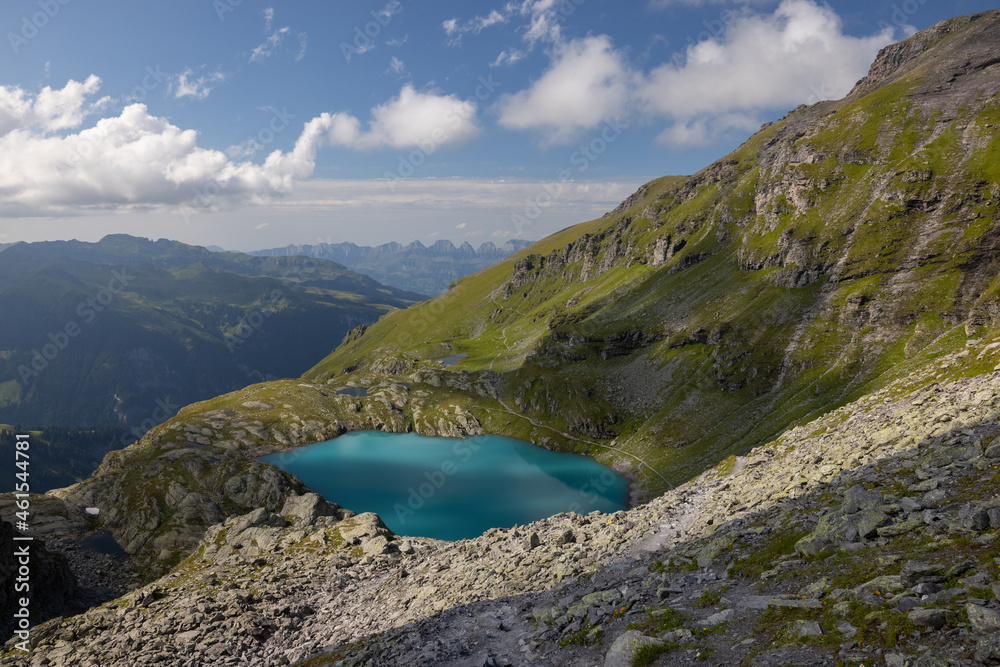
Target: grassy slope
<point x="891" y="209"/>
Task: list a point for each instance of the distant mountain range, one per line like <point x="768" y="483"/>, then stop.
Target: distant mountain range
<point x="425" y="269"/>
<point x="126" y="330"/>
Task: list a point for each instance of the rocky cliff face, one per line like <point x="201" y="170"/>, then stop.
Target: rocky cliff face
<point x="52" y="588"/>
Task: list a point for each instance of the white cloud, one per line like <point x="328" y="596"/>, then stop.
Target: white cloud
<point x="663" y="4"/>
<point x="185" y="85"/>
<point x="586" y="84"/>
<point x="413" y="119"/>
<point x="268" y="15"/>
<point x="364" y="211"/>
<point x="396" y="66"/>
<point x="453" y="28"/>
<point x="137" y="160"/>
<point x="303" y="42"/>
<point x="391" y="8"/>
<point x="461" y="225"/>
<point x="51" y="110"/>
<point x="799" y="54"/>
<point x="266" y="50"/>
<point x="262" y="225"/>
<point x="544" y="20"/>
<point x="542" y="25"/>
<point x="508" y="57"/>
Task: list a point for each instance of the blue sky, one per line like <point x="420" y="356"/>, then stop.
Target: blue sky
<point x="253" y="124"/>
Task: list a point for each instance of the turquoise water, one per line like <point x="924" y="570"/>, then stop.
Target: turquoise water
<point x="452" y="489"/>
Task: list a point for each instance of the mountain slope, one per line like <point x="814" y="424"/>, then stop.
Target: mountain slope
<point x="872" y="522"/>
<point x="426" y="269"/>
<point x="846" y="246"/>
<point x="836" y="248"/>
<point x="127" y="330"/>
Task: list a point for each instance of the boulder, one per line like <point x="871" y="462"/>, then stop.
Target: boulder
<point x="364" y="527"/>
<point x="858" y="498"/>
<point x="972" y="517"/>
<point x="719" y="618"/>
<point x="988" y="650"/>
<point x="915" y="572"/>
<point x="623" y="650"/>
<point x="805" y="629"/>
<point x="933" y="619"/>
<point x="259" y="518"/>
<point x="982" y="618"/>
<point x="305" y="509"/>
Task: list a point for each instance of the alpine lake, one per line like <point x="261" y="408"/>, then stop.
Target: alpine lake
<point x="448" y="488"/>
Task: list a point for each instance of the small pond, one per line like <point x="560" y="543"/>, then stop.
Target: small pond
<point x="453" y="359"/>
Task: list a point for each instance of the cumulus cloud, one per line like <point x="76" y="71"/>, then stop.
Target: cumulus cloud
<point x="186" y="84"/>
<point x="586" y="84"/>
<point x="414" y="119"/>
<point x="51" y="110"/>
<point x="797" y="54"/>
<point x="140" y="160"/>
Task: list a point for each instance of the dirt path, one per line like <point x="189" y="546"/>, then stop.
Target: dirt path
<point x="679" y="526"/>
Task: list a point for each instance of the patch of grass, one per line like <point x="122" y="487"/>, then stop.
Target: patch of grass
<point x="581" y="637"/>
<point x="648" y="654"/>
<point x="659" y="621"/>
<point x="763" y="557"/>
<point x="884" y="629"/>
<point x="775" y="622"/>
<point x="702" y="631"/>
<point x="708" y="599"/>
